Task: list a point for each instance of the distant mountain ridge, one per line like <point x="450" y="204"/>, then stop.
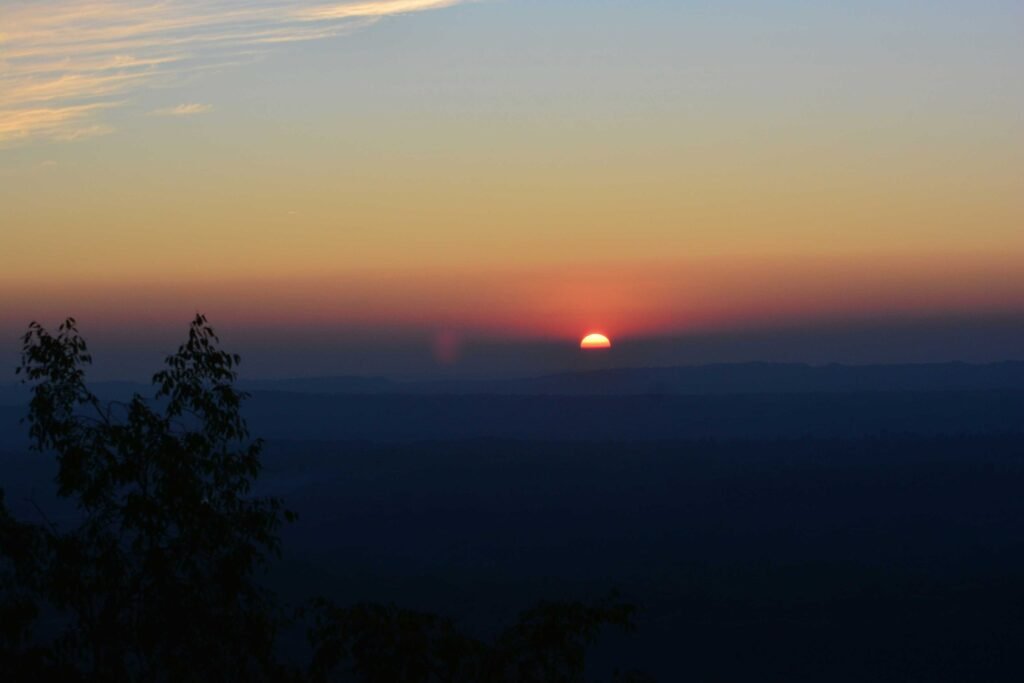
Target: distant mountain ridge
<point x="738" y="378"/>
<point x="747" y="378"/>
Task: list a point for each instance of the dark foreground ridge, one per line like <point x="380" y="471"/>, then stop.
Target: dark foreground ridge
<point x="886" y="559"/>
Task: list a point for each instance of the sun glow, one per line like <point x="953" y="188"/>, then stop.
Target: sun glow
<point x="595" y="341"/>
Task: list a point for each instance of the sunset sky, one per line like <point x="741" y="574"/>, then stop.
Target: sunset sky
<point x="373" y="181"/>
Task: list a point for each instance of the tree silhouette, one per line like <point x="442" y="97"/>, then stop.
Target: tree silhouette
<point x="386" y="644"/>
<point x="158" y="579"/>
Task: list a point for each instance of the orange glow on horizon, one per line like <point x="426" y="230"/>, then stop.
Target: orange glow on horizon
<point x="638" y="299"/>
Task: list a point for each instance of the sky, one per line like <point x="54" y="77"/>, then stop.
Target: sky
<point x="420" y="187"/>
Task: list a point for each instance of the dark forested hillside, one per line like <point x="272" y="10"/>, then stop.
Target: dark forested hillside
<point x="868" y="558"/>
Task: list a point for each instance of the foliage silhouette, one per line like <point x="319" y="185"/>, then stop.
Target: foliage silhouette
<point x="157" y="582"/>
<point x="381" y="644"/>
<point x="157" y="578"/>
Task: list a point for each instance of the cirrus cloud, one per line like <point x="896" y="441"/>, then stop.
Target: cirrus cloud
<point x="63" y="62"/>
<point x="182" y="110"/>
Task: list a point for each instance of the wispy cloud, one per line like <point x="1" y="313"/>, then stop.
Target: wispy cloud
<point x="62" y="62"/>
<point x="69" y="122"/>
<point x="182" y="110"/>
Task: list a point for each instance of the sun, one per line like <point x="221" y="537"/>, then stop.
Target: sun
<point x="595" y="341"/>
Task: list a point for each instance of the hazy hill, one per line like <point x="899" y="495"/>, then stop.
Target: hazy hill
<point x="744" y="378"/>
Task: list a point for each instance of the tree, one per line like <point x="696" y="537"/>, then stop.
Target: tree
<point x="386" y="644"/>
<point x="156" y="582"/>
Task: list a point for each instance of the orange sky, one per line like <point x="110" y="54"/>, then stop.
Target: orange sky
<point x="696" y="295"/>
<point x="529" y="170"/>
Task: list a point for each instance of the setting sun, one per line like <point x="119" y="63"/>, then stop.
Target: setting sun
<point x="595" y="341"/>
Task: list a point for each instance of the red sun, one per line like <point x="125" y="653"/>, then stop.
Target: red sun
<point x="595" y="341"/>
